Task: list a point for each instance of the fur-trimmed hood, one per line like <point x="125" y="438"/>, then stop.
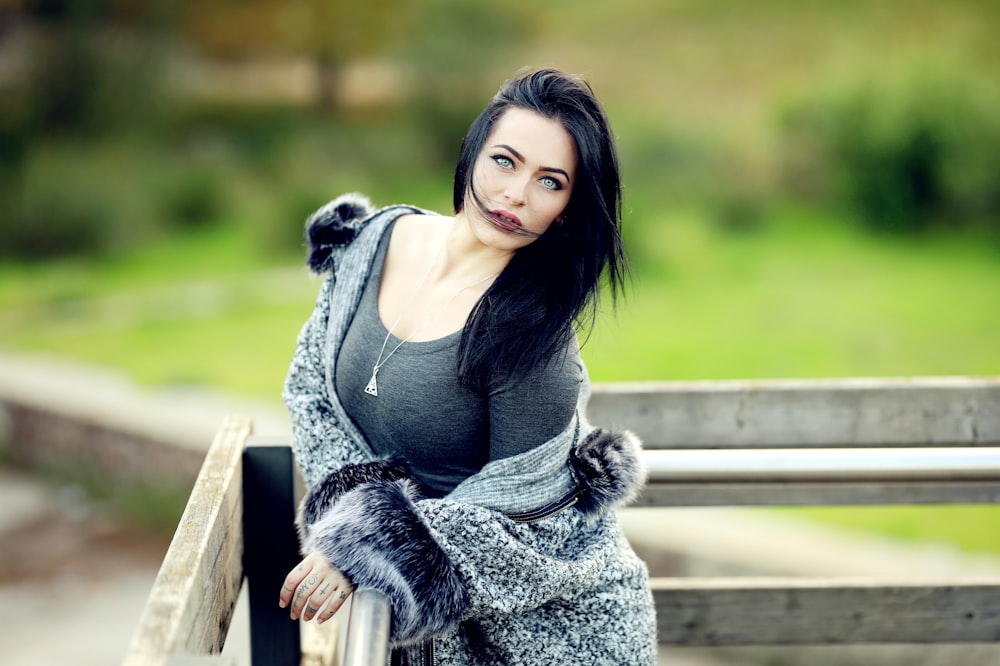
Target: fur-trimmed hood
<point x="334" y="225"/>
<point x="608" y="468"/>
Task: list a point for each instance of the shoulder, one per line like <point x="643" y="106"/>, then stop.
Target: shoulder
<point x="560" y="376"/>
<point x="565" y="371"/>
<point x="416" y="235"/>
<point x="417" y="224"/>
<point x="337" y="223"/>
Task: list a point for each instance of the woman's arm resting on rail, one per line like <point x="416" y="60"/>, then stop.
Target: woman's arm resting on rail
<point x="440" y="561"/>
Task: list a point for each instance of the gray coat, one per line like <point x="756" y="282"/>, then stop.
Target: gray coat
<point x="522" y="563"/>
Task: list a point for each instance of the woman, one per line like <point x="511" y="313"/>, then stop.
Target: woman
<point x="437" y="398"/>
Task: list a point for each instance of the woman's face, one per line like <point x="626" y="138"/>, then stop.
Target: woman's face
<point x="523" y="176"/>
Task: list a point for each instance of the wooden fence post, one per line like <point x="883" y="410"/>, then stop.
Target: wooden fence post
<point x="270" y="551"/>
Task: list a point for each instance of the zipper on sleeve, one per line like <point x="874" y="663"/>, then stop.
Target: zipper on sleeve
<point x="428" y="656"/>
<point x="549" y="510"/>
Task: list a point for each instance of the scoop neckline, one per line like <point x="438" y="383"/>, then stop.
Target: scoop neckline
<point x="407" y="347"/>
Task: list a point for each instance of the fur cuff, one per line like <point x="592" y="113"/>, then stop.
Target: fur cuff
<point x="334" y="225"/>
<point x="609" y="468"/>
<point x="374" y="536"/>
<point x="325" y="494"/>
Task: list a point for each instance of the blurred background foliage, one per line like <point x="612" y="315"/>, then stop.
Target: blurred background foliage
<point x="812" y="188"/>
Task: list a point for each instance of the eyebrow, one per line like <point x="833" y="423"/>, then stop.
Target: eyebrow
<point x="520" y="158"/>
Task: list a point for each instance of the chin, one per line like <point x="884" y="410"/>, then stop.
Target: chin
<point x="505" y="240"/>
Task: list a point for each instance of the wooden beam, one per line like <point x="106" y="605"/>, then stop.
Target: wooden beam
<point x="271" y="550"/>
<point x="743" y="611"/>
<point x="192" y="600"/>
<point x="932" y="411"/>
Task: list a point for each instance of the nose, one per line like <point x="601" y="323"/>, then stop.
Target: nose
<point x="514" y="191"/>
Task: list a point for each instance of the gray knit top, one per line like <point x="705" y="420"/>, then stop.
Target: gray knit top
<point x="445" y="430"/>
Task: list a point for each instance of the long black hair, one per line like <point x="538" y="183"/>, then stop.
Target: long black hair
<point x="529" y="311"/>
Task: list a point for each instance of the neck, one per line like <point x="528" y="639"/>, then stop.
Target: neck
<point x="465" y="257"/>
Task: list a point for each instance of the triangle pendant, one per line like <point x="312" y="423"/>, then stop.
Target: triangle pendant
<point x="372" y="387"/>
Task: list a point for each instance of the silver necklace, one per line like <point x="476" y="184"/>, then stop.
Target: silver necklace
<point x="371" y="388"/>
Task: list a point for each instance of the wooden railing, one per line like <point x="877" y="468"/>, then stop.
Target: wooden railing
<point x="191" y="604"/>
<point x="917" y="441"/>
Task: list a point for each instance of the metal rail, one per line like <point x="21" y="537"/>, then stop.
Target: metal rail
<point x="368" y="628"/>
<point x="367" y="640"/>
<point x="868" y="464"/>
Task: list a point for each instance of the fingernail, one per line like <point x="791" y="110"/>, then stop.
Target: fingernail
<point x="281" y="603"/>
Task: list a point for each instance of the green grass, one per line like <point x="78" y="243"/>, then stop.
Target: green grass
<point x="189" y="257"/>
<point x="973" y="528"/>
<point x="805" y="296"/>
<point x="244" y="350"/>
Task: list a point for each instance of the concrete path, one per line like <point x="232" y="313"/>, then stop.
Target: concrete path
<point x="72" y="577"/>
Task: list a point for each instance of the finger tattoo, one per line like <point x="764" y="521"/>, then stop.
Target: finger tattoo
<point x="343" y="595"/>
<point x="309" y="582"/>
<point x="325" y="588"/>
<point x="310" y="609"/>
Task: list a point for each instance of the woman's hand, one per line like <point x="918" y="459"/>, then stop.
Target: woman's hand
<point x="310" y="586"/>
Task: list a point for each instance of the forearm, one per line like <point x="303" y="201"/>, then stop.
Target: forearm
<point x="373" y="534"/>
<point x="438" y="561"/>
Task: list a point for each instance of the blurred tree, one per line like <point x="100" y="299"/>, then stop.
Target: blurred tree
<point x="455" y="54"/>
<point x="907" y="150"/>
<point x="93" y="64"/>
<point x="87" y="69"/>
<point x="331" y="33"/>
<point x="449" y="50"/>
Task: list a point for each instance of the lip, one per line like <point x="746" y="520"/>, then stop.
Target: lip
<point x="505" y="220"/>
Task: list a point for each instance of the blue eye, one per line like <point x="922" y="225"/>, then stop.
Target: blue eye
<point x="550" y="183"/>
<point x="504" y="161"/>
